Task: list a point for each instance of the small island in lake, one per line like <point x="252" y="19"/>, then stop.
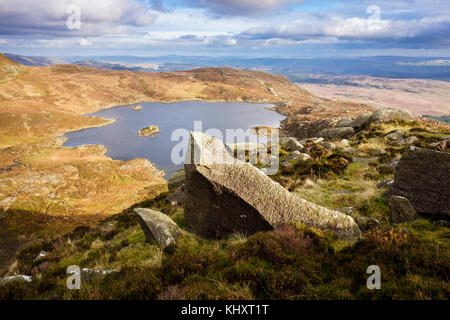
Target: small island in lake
<point x="136" y="108"/>
<point x="148" y="131"/>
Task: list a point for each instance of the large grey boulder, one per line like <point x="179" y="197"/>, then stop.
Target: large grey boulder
<point x="423" y="177"/>
<point x="401" y="210"/>
<point x="337" y="133"/>
<point x="386" y="115"/>
<point x="156" y="225"/>
<point x="222" y="197"/>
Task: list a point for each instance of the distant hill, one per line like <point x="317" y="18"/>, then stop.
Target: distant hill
<point x="296" y="69"/>
<point x="445" y="119"/>
<point x="147" y="67"/>
<point x="34" y="61"/>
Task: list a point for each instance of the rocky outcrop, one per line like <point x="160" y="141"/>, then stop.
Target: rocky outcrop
<point x="386" y="115"/>
<point x="337" y="133"/>
<point x="222" y="198"/>
<point x="176" y="179"/>
<point x="423" y="177"/>
<point x="158" y="226"/>
<point x="361" y="122"/>
<point x="401" y="210"/>
<point x="395" y="136"/>
<point x="293" y="145"/>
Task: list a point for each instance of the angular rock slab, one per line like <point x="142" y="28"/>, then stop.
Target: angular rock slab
<point x="423" y="177"/>
<point x="222" y="198"/>
<point x="157" y="225"/>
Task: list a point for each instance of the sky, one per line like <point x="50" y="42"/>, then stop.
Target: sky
<point x="254" y="28"/>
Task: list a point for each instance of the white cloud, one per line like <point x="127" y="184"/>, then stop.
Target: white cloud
<point x="84" y="42"/>
<point x="49" y="18"/>
<point x="230" y="42"/>
<point x="353" y="29"/>
<point x="241" y="7"/>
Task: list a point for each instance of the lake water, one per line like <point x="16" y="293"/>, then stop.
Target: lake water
<point x="123" y="143"/>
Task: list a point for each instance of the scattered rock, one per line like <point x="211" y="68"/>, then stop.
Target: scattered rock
<point x="385" y="183"/>
<point x="17" y="278"/>
<point x="345" y="143"/>
<point x="386" y="115"/>
<point x="441" y="145"/>
<point x="348" y="150"/>
<point x="379" y="152"/>
<point x="283" y="140"/>
<point x="157" y="225"/>
<point x="293" y="145"/>
<point x="361" y="121"/>
<point x="390" y="166"/>
<point x="177" y="179"/>
<point x="395" y="136"/>
<point x="41" y="255"/>
<point x="401" y="210"/>
<point x="411" y="140"/>
<point x="91" y="274"/>
<point x="297" y="155"/>
<point x="312" y="140"/>
<point x="221" y="199"/>
<point x="344" y="123"/>
<point x="328" y="145"/>
<point x="337" y="133"/>
<point x="364" y="223"/>
<point x="423" y="176"/>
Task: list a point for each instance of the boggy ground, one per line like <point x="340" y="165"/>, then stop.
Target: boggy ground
<point x="290" y="262"/>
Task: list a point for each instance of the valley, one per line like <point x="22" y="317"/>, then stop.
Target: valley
<point x="64" y="205"/>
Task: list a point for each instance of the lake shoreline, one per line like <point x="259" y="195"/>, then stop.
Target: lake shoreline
<point x="266" y="105"/>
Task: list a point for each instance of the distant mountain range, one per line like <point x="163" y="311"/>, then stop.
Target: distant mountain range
<point x="34" y="61"/>
<point x="295" y="69"/>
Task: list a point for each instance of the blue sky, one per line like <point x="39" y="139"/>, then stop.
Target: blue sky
<point x="226" y="27"/>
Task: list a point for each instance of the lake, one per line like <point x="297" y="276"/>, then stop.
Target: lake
<point x="123" y="143"/>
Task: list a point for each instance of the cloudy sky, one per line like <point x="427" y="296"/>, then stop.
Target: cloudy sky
<point x="225" y="27"/>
